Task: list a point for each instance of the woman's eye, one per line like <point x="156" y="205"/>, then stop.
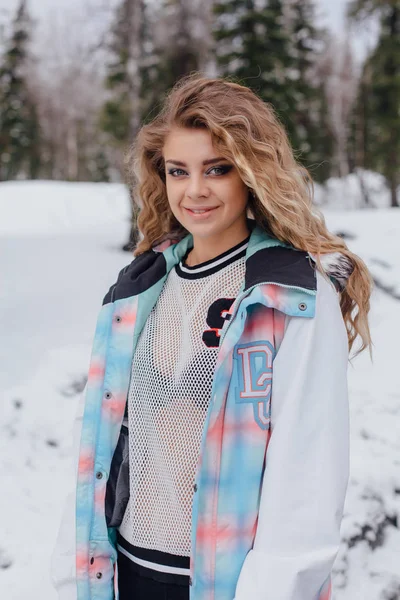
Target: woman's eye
<point x="174" y="172"/>
<point x="218" y="170"/>
<point x="221" y="170"/>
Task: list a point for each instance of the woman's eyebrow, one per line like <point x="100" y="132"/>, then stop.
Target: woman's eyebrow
<point x="210" y="161"/>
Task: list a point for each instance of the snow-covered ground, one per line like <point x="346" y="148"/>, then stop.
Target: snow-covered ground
<point x="59" y="253"/>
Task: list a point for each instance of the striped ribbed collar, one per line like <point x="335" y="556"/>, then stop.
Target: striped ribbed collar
<point x="209" y="267"/>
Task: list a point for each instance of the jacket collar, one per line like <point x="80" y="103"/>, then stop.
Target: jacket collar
<point x="285" y="264"/>
<point x="268" y="260"/>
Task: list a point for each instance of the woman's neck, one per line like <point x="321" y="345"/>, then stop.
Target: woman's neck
<point x="202" y="251"/>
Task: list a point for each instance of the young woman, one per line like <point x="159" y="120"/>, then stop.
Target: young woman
<point x="214" y="428"/>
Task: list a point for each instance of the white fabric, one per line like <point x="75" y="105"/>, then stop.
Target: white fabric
<point x="307" y="464"/>
<point x="169" y="394"/>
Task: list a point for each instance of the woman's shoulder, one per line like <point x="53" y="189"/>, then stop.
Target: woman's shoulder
<point x="337" y="268"/>
<point x="137" y="276"/>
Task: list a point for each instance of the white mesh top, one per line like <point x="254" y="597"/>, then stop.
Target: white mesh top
<point x="169" y="393"/>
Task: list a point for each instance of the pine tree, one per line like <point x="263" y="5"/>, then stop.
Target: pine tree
<point x="360" y="151"/>
<point x="19" y="124"/>
<point x="253" y="47"/>
<point x="310" y="131"/>
<point x="271" y="46"/>
<point x="153" y="86"/>
<point x="150" y="52"/>
<point x="380" y="131"/>
<point x="121" y="115"/>
<point x="173" y="51"/>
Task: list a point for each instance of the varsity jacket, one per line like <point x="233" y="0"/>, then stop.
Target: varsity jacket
<point x="273" y="468"/>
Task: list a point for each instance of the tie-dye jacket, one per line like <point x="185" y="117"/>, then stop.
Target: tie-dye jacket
<point x="273" y="468"/>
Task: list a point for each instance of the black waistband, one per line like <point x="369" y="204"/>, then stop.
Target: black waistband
<point x="146" y="562"/>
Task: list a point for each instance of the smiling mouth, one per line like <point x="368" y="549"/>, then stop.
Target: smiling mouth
<point x="200" y="211"/>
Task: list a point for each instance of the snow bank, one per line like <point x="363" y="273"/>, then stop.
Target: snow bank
<point x="346" y="193"/>
<point x="53" y="207"/>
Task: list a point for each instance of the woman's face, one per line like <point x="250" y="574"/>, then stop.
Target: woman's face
<point x="197" y="177"/>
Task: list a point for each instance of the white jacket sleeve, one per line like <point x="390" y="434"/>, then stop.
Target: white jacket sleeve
<point x="63" y="568"/>
<point x="307" y="462"/>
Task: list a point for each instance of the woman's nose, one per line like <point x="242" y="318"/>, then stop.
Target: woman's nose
<point x="197" y="187"/>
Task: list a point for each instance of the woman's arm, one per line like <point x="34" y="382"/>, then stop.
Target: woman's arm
<point x="307" y="462"/>
<point x="63" y="565"/>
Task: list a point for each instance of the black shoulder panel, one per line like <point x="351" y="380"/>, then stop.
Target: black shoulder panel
<point x="286" y="266"/>
<point x="280" y="265"/>
<point x="143" y="272"/>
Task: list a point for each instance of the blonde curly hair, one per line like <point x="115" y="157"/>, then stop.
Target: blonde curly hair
<point x="245" y="130"/>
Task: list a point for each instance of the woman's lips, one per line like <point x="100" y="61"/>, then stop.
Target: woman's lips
<point x="202" y="215"/>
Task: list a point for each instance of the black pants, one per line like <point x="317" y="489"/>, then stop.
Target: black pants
<point x="135" y="586"/>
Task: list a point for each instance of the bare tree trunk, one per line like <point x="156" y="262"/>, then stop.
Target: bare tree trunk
<point x="72" y="149"/>
<point x="394" y="202"/>
<point x="135" y="53"/>
<point x="364" y="189"/>
<point x="134" y="12"/>
<point x="341" y="86"/>
<point x="204" y="37"/>
<point x="393" y="72"/>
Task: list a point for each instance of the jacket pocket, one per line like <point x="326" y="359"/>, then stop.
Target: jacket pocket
<point x="117" y="492"/>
